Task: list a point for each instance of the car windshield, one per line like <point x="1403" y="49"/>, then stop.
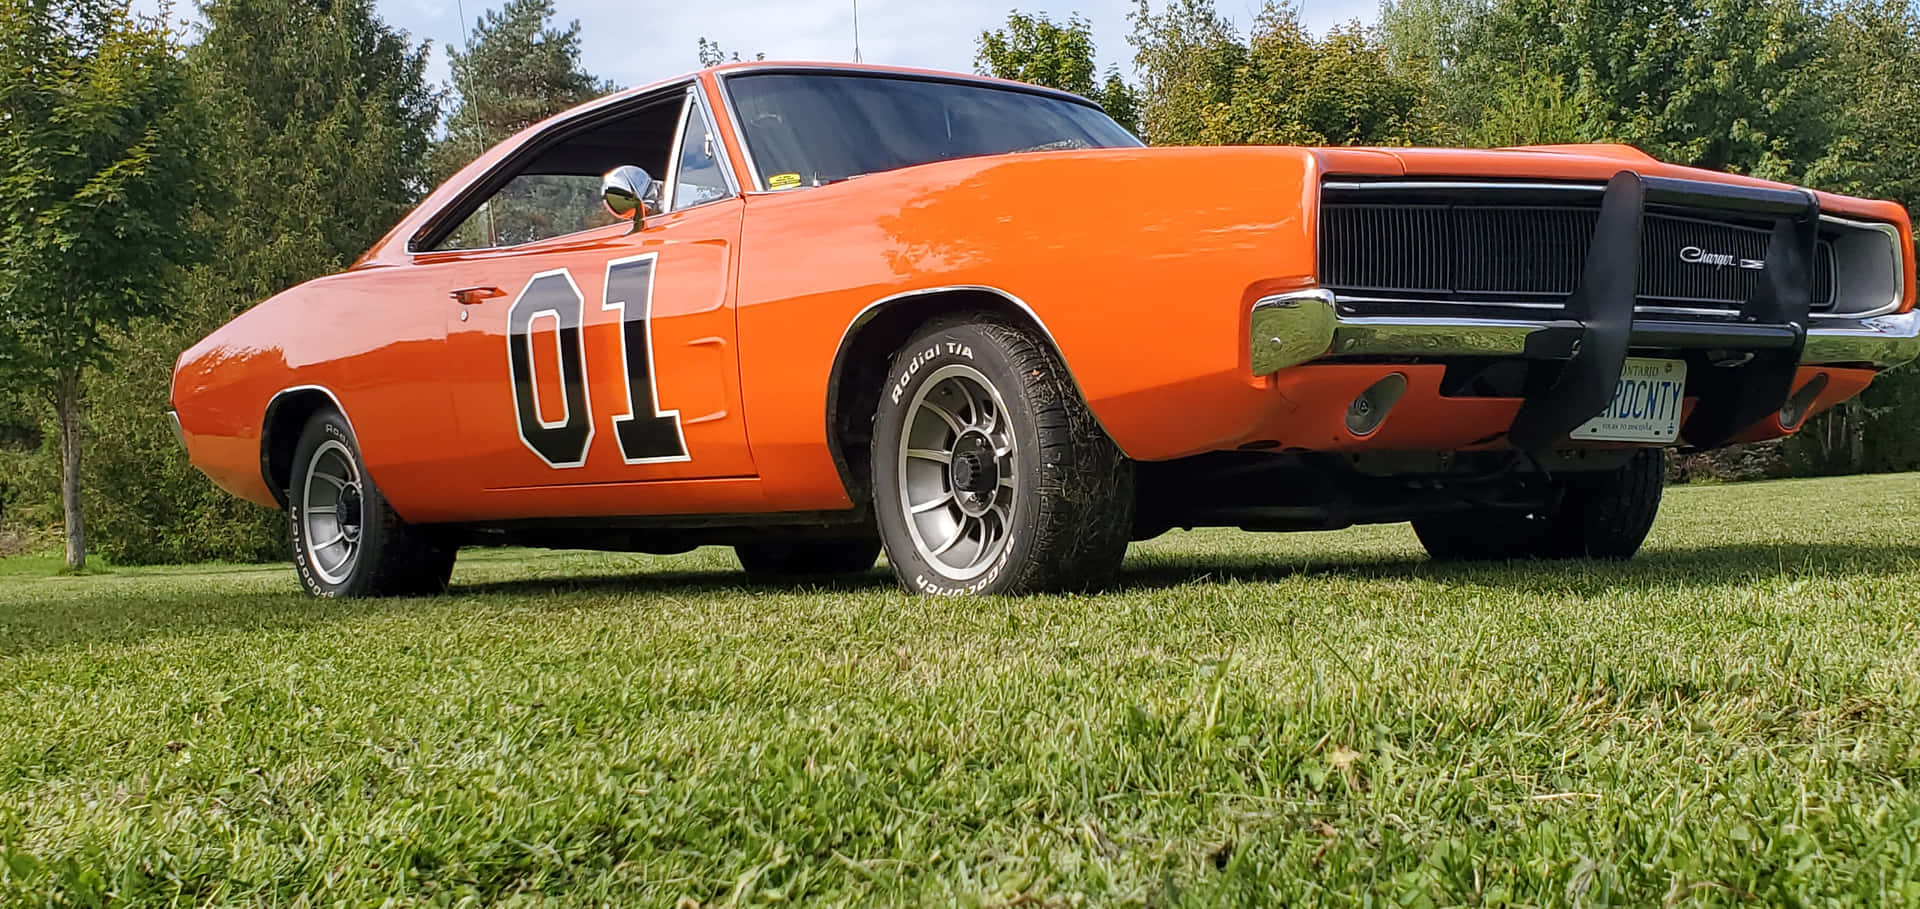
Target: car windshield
<point x="808" y="129"/>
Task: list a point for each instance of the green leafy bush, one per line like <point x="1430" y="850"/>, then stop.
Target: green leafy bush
<point x="145" y="502"/>
<point x="1893" y="427"/>
<point x="29" y="470"/>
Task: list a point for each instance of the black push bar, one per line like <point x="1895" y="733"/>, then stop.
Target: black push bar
<point x="1772" y="323"/>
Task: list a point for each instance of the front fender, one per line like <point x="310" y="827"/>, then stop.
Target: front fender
<point x="371" y="342"/>
<point x="1142" y="264"/>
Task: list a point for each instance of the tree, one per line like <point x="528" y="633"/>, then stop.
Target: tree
<point x="101" y="168"/>
<point x="710" y="54"/>
<point x="319" y="127"/>
<point x="1431" y="37"/>
<point x="1340" y="89"/>
<point x="1873" y="61"/>
<point x="1205" y="85"/>
<point x="516" y="70"/>
<point x="1531" y="107"/>
<point x="1724" y="84"/>
<point x="1037" y="50"/>
<point x="324" y="121"/>
<point x="1187" y="57"/>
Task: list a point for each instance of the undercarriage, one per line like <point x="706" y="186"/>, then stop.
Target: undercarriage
<point x="1265" y="491"/>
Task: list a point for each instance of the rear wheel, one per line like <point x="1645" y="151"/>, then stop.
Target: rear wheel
<point x="990" y="476"/>
<point x="810" y="558"/>
<point x="347" y="541"/>
<point x="1599" y="515"/>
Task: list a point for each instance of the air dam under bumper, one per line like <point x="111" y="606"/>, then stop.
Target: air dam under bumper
<point x="1601" y="327"/>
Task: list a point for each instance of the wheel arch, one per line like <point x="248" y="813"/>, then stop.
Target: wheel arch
<point x="287" y="413"/>
<point x="866" y="352"/>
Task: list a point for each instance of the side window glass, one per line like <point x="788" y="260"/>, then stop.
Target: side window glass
<point x="532" y="207"/>
<point x="700" y="179"/>
<point x="557" y="190"/>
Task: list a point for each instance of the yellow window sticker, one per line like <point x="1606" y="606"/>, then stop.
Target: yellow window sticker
<point x="783" y="181"/>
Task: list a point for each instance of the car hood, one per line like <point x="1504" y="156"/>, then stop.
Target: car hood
<point x="1559" y="163"/>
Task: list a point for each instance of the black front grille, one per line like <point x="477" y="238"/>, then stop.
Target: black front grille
<point x="1535" y="254"/>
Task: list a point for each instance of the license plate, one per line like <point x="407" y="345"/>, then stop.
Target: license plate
<point x="1646" y="406"/>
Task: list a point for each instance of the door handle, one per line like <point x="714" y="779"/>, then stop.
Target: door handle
<point x="467" y="296"/>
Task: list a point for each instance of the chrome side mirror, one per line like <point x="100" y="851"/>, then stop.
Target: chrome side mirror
<point x="626" y="191"/>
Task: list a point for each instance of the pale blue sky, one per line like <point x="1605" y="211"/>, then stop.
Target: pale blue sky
<point x="636" y="42"/>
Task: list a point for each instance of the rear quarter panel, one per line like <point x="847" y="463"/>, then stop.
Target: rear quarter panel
<point x="1141" y="264"/>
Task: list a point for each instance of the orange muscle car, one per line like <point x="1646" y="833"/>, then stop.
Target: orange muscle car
<point x="977" y="324"/>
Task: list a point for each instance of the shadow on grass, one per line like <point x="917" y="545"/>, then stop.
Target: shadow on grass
<point x="118" y="617"/>
<point x="679" y="582"/>
<point x="1691" y="566"/>
<point x="1701" y="566"/>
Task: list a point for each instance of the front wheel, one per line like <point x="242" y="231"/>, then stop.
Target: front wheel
<point x="347" y="541"/>
<point x="990" y="475"/>
<point x="1607" y="515"/>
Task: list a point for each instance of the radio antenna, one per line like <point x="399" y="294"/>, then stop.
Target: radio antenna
<point x="856" y="31"/>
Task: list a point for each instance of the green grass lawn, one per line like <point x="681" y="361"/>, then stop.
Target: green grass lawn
<point x="1733" y="717"/>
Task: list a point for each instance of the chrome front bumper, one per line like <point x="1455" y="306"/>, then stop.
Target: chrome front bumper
<point x="1294" y="328"/>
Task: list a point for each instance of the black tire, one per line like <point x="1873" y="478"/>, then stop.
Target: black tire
<point x="1480" y="536"/>
<point x="1058" y="505"/>
<point x="1599" y="515"/>
<point x="388" y="557"/>
<point x="1607" y="515"/>
<point x="811" y="558"/>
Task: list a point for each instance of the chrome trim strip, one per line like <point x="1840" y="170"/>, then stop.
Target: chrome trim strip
<point x="1894" y="245"/>
<point x="265" y="421"/>
<point x="179" y="434"/>
<point x="695" y="105"/>
<point x="1862" y="225"/>
<point x="673" y="154"/>
<point x="883" y="72"/>
<point x="1428" y="301"/>
<point x="1689" y="311"/>
<point x="867" y="313"/>
<point x="1464" y="184"/>
<point x="1293" y="328"/>
<point x="323" y="390"/>
<point x="719" y="143"/>
<point x="1644" y="307"/>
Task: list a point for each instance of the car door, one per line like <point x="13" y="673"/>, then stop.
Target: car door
<point x="594" y="372"/>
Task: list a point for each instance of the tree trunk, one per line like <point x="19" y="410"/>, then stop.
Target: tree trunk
<point x="1856" y="436"/>
<point x="66" y="406"/>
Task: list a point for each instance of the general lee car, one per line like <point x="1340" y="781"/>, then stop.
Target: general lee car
<point x="815" y="311"/>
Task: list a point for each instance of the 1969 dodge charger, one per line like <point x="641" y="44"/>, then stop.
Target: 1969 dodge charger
<point x="817" y="311"/>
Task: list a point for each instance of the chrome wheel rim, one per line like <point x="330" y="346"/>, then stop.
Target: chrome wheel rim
<point x="958" y="472"/>
<point x="331" y="512"/>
